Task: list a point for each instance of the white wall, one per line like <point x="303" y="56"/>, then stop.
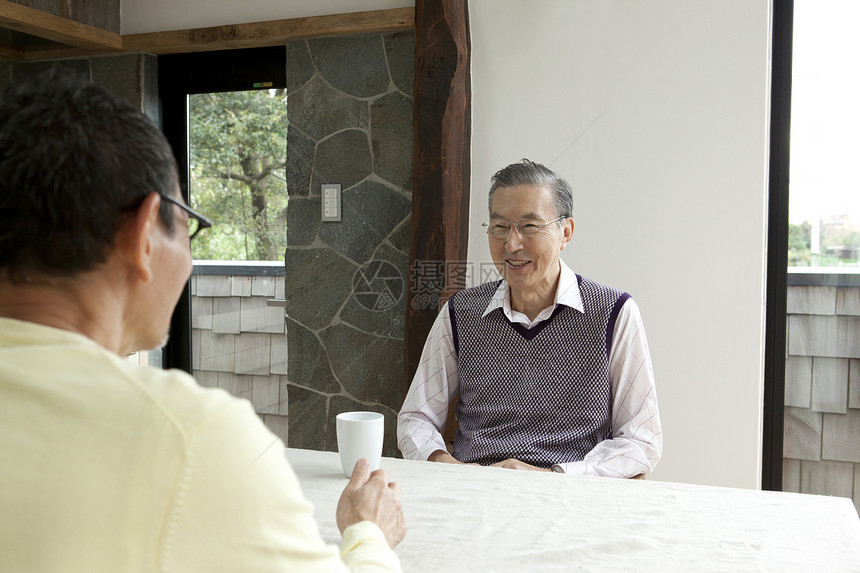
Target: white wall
<point x="669" y="102"/>
<point x="670" y="177"/>
<point x="139" y="16"/>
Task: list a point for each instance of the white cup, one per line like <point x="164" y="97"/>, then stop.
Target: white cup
<point x="359" y="435"/>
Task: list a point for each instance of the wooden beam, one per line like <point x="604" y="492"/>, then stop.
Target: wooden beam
<point x="11" y="54"/>
<point x="58" y="51"/>
<point x="272" y="33"/>
<point x="441" y="165"/>
<point x="62" y="30"/>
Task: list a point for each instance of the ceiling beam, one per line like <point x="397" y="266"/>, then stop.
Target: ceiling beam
<point x="271" y="33"/>
<point x="11" y="54"/>
<point x="56" y="29"/>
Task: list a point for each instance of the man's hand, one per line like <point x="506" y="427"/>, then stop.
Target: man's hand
<point x="513" y="464"/>
<point x="444" y="457"/>
<point x="369" y="497"/>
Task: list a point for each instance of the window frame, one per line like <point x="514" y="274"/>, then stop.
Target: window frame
<point x="777" y="250"/>
<point x="181" y="75"/>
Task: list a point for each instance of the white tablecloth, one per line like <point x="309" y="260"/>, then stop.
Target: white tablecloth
<point x="467" y="518"/>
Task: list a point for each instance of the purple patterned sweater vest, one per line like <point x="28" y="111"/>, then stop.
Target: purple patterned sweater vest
<point x="540" y="395"/>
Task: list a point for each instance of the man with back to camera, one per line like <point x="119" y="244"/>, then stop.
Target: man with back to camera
<point x="553" y="369"/>
<point x="108" y="466"/>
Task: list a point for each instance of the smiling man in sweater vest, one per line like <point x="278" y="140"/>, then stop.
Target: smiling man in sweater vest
<point x="552" y="369"/>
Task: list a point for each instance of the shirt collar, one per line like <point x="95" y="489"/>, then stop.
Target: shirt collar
<point x="566" y="294"/>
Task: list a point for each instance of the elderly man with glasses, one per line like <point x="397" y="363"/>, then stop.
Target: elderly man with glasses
<point x="108" y="466"/>
<point x="552" y="369"/>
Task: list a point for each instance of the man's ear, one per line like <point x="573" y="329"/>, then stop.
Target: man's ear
<point x="567" y="232"/>
<point x="137" y="237"/>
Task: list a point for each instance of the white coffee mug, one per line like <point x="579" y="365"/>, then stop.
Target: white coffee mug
<point x="359" y="435"/>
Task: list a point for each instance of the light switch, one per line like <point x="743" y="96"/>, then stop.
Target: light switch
<point x="331" y="202"/>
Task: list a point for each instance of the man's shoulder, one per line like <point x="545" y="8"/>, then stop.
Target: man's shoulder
<point x="480" y="294"/>
<point x="183" y="401"/>
<point x="594" y="287"/>
<point x="152" y="400"/>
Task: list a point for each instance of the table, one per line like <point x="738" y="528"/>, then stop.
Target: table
<point x="468" y="518"/>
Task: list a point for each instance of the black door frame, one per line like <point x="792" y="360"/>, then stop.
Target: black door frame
<point x="777" y="246"/>
<point x="180" y="75"/>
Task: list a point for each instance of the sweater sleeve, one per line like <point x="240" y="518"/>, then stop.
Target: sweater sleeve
<point x="238" y="506"/>
<point x="365" y="549"/>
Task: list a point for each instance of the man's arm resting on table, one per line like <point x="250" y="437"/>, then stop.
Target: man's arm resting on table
<point x="370" y="497"/>
<point x="511" y="463"/>
<point x="425" y="409"/>
<point x="443" y="456"/>
<point x="619" y="458"/>
<point x="242" y="507"/>
<point x="515" y="464"/>
<point x="370" y="519"/>
<point x="365" y="548"/>
<point x="637" y="441"/>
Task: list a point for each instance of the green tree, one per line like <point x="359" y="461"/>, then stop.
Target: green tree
<point x="799" y="244"/>
<point x="238" y="144"/>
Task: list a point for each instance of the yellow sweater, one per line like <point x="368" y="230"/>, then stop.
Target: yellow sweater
<point x="108" y="467"/>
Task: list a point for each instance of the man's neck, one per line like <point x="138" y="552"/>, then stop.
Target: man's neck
<point x="533" y="302"/>
<point x="75" y="306"/>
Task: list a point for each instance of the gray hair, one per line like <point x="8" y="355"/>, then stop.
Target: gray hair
<point x="526" y="172"/>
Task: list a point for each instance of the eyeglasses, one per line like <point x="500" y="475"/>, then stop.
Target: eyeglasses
<point x="499" y="228"/>
<point x="196" y="221"/>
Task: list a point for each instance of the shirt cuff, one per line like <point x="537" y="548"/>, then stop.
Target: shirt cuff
<point x="572" y="468"/>
<point x="436" y="443"/>
<point x="364" y="546"/>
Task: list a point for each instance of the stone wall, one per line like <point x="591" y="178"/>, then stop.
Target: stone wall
<point x="133" y="77"/>
<point x="822" y="392"/>
<point x="350" y="111"/>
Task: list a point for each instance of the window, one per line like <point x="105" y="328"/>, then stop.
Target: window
<point x="220" y="113"/>
<point x="812" y="380"/>
<point x="237" y="157"/>
<point x="824" y="203"/>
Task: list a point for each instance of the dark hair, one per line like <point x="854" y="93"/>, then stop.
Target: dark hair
<point x="74" y="160"/>
<point x="526" y="172"/>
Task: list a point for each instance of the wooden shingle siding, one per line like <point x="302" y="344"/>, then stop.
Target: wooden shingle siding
<point x="217" y="351"/>
<point x="827" y="478"/>
<point x="848" y="301"/>
<point x="822" y="392"/>
<point x="239" y="386"/>
<point x="202" y="315"/>
<point x="263" y="286"/>
<point x="213" y="285"/>
<point x="831" y="336"/>
<point x="830" y="385"/>
<point x="225" y="315"/>
<point x="257" y="316"/>
<point x="240" y="286"/>
<point x="265" y="394"/>
<point x="253" y="353"/>
<point x="802" y="434"/>
<point x="239" y="342"/>
<point x="840" y="437"/>
<point x="811" y="300"/>
<point x="278" y="364"/>
<point x="854" y="384"/>
<point x="798" y="381"/>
